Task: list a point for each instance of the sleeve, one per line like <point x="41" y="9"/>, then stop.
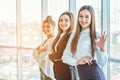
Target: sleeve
<point x="35" y="55"/>
<point x="67" y="57"/>
<point x="102" y="57"/>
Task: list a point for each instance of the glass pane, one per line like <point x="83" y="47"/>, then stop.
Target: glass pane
<point x="55" y="9"/>
<point x="31" y="37"/>
<point x="30" y="67"/>
<point x="8" y="65"/>
<point x="8" y="22"/>
<point x="8" y="56"/>
<point x="115" y="40"/>
<point x="96" y="4"/>
<point x="31" y="20"/>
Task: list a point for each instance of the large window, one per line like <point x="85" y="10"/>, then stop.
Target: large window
<point x="114" y="40"/>
<point x="16" y="44"/>
<point x="17" y="39"/>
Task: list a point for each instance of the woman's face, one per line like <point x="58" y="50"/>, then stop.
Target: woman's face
<point x="64" y="22"/>
<point x="48" y="29"/>
<point x="85" y="19"/>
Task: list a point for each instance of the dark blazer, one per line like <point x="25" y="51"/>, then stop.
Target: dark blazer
<point x="60" y="47"/>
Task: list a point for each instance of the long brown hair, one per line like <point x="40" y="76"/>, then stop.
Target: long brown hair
<point x="79" y="29"/>
<point x="60" y="30"/>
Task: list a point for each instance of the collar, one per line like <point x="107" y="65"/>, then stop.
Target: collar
<point x="85" y="31"/>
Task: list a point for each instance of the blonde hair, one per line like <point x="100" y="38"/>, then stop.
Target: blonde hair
<point x="49" y="20"/>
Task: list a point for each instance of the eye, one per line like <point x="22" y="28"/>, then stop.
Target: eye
<point x="66" y="20"/>
<point x="61" y="20"/>
<point x="80" y="16"/>
<point x="48" y="26"/>
<point x="86" y="16"/>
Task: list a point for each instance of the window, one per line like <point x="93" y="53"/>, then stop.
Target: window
<point x="31" y="37"/>
<point x="114" y="40"/>
<point x="56" y="7"/>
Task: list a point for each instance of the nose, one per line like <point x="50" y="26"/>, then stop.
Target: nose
<point x="83" y="19"/>
<point x="63" y="22"/>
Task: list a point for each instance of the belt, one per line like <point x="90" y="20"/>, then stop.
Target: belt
<point x="57" y="60"/>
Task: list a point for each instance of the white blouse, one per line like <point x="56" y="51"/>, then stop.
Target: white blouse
<point x="83" y="49"/>
<point x="43" y="59"/>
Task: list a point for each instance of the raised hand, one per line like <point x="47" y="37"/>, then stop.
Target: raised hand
<point x="100" y="41"/>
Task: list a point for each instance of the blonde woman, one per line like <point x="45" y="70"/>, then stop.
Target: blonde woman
<point x="41" y="52"/>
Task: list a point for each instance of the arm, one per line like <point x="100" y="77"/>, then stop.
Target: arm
<point x="40" y="52"/>
<point x="35" y="55"/>
<point x="67" y="57"/>
<point x="100" y="49"/>
<point x="101" y="57"/>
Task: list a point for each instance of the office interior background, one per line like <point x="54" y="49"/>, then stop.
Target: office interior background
<point x="20" y="33"/>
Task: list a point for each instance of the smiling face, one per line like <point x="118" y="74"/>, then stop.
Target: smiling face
<point x="48" y="29"/>
<point x="64" y="22"/>
<point x="85" y="19"/>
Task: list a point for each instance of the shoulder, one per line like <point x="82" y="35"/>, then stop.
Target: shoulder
<point x="72" y="34"/>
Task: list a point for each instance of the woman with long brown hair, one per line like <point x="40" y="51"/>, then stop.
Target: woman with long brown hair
<point x="65" y="27"/>
<point x="86" y="49"/>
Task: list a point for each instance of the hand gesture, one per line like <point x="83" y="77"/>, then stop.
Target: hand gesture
<point x="100" y="41"/>
<point x="40" y="49"/>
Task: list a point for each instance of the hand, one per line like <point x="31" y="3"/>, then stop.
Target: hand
<point x="42" y="49"/>
<point x="100" y="41"/>
<point x="38" y="48"/>
<point x="84" y="60"/>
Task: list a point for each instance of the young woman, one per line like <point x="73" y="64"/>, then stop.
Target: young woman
<point x="65" y="27"/>
<point x="41" y="52"/>
<point x="86" y="49"/>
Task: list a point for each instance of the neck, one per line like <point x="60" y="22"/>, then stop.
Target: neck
<point x="50" y="36"/>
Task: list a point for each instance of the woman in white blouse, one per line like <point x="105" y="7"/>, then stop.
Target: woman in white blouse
<point x="85" y="49"/>
<point x="41" y="52"/>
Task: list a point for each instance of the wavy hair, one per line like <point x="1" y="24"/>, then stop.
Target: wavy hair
<point x="60" y="30"/>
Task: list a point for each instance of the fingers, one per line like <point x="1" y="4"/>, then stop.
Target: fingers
<point x="87" y="59"/>
<point x="103" y="35"/>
